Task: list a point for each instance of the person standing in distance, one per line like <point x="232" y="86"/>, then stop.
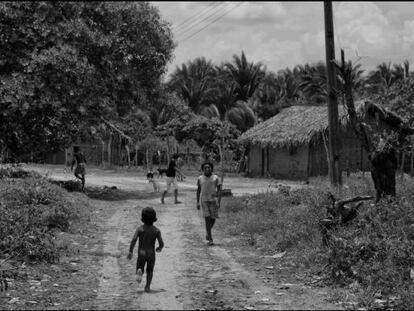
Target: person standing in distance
<point x="80" y="161"/>
<point x="171" y="180"/>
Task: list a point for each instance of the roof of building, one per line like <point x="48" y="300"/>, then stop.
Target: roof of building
<point x="297" y="125"/>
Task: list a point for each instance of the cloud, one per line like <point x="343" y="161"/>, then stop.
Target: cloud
<point x="286" y="34"/>
<point x="362" y="26"/>
<point x="257" y="11"/>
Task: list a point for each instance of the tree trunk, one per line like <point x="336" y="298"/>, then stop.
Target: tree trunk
<point x="384" y="169"/>
<point x="136" y="155"/>
<point x="146" y="158"/>
<point x="384" y="162"/>
<point x="402" y="164"/>
<point x="128" y="155"/>
<point x="109" y="150"/>
<point x="168" y="150"/>
<point x="412" y="159"/>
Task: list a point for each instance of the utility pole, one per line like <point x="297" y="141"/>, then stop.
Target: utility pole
<point x="335" y="174"/>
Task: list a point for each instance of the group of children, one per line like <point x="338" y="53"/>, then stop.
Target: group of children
<point x="208" y="200"/>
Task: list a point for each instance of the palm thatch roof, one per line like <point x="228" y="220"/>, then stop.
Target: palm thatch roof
<point x="297" y="125"/>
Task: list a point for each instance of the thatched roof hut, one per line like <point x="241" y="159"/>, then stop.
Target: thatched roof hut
<point x="291" y="143"/>
<point x="297" y="125"/>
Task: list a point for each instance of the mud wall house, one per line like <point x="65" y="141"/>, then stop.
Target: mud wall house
<point x="293" y="144"/>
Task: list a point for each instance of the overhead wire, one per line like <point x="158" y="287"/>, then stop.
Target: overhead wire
<point x="198" y="14"/>
<point x="194" y="24"/>
<point x="225" y="13"/>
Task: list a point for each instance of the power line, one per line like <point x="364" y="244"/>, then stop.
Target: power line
<point x="228" y="11"/>
<point x="198" y="14"/>
<point x="196" y="23"/>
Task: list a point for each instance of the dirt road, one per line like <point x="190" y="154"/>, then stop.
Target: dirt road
<point x="188" y="273"/>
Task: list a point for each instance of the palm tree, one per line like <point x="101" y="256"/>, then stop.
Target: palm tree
<point x="313" y="83"/>
<point x="380" y="79"/>
<point x="241" y="115"/>
<point x="245" y="75"/>
<point x="274" y="93"/>
<point x="194" y="83"/>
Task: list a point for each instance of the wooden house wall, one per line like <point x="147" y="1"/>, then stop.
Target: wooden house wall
<point x="288" y="163"/>
<point x="318" y="162"/>
<point x="255" y="161"/>
<point x="281" y="163"/>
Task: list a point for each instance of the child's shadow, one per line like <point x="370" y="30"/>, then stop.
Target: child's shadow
<point x="152" y="291"/>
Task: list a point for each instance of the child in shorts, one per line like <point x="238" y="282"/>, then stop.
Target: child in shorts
<point x="147" y="234"/>
<point x="208" y="196"/>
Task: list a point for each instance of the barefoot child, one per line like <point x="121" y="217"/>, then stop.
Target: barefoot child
<point x="208" y="192"/>
<point x="147" y="234"/>
<point x="80" y="161"/>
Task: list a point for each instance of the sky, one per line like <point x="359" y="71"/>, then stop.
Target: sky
<point x="282" y="35"/>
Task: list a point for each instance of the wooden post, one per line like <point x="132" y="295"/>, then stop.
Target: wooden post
<point x="168" y="151"/>
<point x="402" y="164"/>
<point x="136" y="155"/>
<point x="110" y="150"/>
<point x="334" y="165"/>
<point x="412" y="158"/>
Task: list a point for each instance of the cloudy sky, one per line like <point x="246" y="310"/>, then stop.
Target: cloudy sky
<point x="286" y="34"/>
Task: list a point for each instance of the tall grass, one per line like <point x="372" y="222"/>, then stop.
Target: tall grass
<point x="30" y="207"/>
<point x="376" y="251"/>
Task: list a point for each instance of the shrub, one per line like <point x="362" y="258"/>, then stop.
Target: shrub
<point x="279" y="215"/>
<point x="374" y="253"/>
<point x="377" y="249"/>
<point x="29" y="208"/>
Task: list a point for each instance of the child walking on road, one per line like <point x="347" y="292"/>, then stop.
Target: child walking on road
<point x="208" y="196"/>
<point x="80" y="161"/>
<point x="147" y="234"/>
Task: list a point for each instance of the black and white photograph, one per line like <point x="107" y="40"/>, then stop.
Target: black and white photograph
<point x="206" y="155"/>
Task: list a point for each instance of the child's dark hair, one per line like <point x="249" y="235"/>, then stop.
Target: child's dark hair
<point x="148" y="216"/>
<point x="150" y="175"/>
<point x="76" y="148"/>
<point x="207" y="163"/>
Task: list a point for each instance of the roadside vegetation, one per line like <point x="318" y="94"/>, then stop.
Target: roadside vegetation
<point x="31" y="208"/>
<point x="369" y="261"/>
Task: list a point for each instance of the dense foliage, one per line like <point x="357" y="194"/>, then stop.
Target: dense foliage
<point x="370" y="258"/>
<point x="66" y="65"/>
<point x="30" y="207"/>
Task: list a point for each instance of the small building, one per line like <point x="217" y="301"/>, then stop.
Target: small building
<point x="293" y="144"/>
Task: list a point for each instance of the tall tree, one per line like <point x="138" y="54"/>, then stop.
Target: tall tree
<point x="313" y="83"/>
<point x="66" y="65"/>
<point x="246" y="76"/>
<point x="381" y="145"/>
<point x="194" y="83"/>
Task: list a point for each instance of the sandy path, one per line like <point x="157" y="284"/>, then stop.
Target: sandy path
<point x="188" y="274"/>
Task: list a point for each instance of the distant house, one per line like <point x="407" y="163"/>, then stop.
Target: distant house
<point x="293" y="143"/>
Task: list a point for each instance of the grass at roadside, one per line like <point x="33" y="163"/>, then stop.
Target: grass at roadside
<point x="30" y="207"/>
<point x="370" y="259"/>
<point x="43" y="229"/>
